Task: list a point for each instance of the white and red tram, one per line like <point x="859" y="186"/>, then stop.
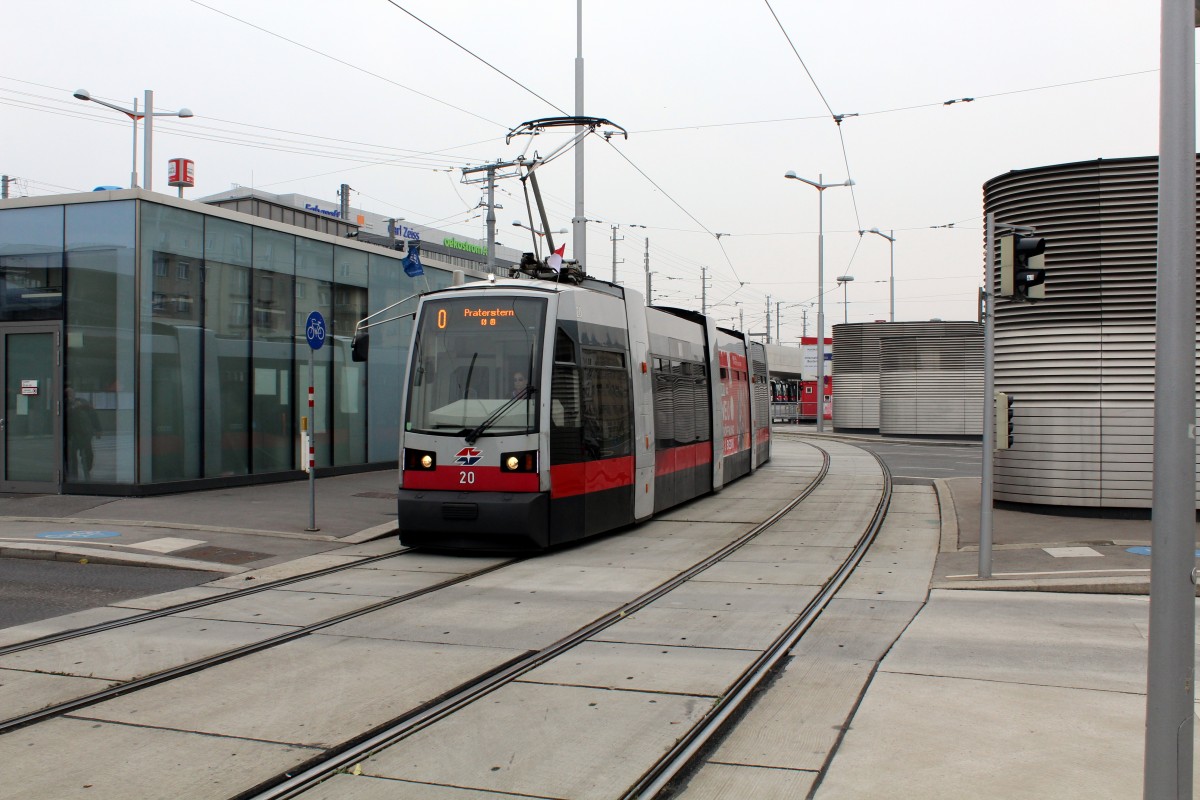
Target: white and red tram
<point x="624" y="410"/>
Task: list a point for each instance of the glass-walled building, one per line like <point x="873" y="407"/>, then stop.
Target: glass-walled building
<point x="153" y="344"/>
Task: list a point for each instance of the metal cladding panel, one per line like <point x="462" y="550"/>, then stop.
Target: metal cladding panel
<point x="931" y="385"/>
<point x="1080" y="363"/>
<point x="857" y="387"/>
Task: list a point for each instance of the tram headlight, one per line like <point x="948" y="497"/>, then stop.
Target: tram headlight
<point x="419" y="459"/>
<point x="523" y="461"/>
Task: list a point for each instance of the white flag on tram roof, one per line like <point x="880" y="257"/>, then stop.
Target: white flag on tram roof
<point x="556" y="258"/>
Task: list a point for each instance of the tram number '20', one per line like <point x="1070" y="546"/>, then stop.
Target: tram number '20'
<point x="466" y="478"/>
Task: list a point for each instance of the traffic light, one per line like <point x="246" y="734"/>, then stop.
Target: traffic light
<point x="1004" y="421"/>
<point x="1022" y="267"/>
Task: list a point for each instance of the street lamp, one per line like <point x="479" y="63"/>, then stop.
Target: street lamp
<point x="890" y="236"/>
<point x="518" y="224"/>
<point x="148" y="114"/>
<point x="820" y="186"/>
<point x="844" y="282"/>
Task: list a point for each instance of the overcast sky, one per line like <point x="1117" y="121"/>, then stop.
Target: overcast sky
<point x="301" y="96"/>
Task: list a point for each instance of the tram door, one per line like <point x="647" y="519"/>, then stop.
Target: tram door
<point x="31" y="427"/>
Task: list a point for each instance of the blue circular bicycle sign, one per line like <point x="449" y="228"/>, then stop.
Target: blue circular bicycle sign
<point x="314" y="330"/>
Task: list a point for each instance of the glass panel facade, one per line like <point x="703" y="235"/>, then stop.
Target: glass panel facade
<point x="314" y="292"/>
<point x="31" y="389"/>
<point x="273" y="427"/>
<point x="31" y="245"/>
<point x="184" y="335"/>
<point x="172" y="249"/>
<point x="388" y="353"/>
<point x="349" y="378"/>
<point x="227" y="315"/>
<point x="101" y="311"/>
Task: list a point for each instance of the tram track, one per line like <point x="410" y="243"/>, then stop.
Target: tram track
<point x="436" y="706"/>
<point x="296" y="782"/>
<point x="191" y="667"/>
<point x="678" y="761"/>
<point x="191" y="605"/>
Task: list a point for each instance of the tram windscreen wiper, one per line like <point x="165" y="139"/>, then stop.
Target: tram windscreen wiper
<point x="478" y="430"/>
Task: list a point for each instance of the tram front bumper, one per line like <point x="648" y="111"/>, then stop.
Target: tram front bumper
<point x="474" y="520"/>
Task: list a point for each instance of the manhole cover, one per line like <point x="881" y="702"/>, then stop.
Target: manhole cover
<point x="222" y="555"/>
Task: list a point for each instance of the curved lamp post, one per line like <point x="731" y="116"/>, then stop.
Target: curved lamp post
<point x="844" y="282"/>
<point x="820" y="186"/>
<point x="891" y="237"/>
<point x="148" y="114"/>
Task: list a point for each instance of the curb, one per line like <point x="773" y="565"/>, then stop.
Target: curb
<point x="178" y="526"/>
<point x="86" y="555"/>
<point x="368" y="534"/>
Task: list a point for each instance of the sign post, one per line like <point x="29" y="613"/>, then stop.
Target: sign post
<point x="314" y="334"/>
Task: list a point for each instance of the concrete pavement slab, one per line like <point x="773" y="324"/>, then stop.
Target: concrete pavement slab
<point x="289" y="608"/>
<point x="545" y="741"/>
<point x="922" y="738"/>
<point x="723" y="596"/>
<point x="368" y="787"/>
<point x="65" y="622"/>
<point x="288" y="569"/>
<point x="141" y="649"/>
<point x="525" y="620"/>
<point x="70" y="759"/>
<point x="417" y="561"/>
<point x="646" y="668"/>
<point x="812" y="571"/>
<point x="1076" y="641"/>
<point x="26" y="692"/>
<point x="316" y="691"/>
<point x="725" y="781"/>
<point x="600" y="583"/>
<point x="155" y="602"/>
<point x="798" y="722"/>
<point x="362" y="581"/>
<point x="676" y="549"/>
<point x="739" y="630"/>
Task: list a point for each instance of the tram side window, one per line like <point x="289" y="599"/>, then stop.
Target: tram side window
<point x="664" y="404"/>
<point x="685" y="403"/>
<point x="607" y="421"/>
<point x="681" y="405"/>
<point x="700" y="392"/>
<point x="566" y="431"/>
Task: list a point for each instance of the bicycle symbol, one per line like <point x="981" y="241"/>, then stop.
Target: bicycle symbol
<point x="315" y="330"/>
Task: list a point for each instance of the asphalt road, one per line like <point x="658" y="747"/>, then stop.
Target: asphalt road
<point x="35" y="589"/>
<point x="932" y="460"/>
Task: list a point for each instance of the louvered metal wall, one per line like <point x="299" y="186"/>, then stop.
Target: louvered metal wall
<point x="1080" y="364"/>
<point x="931" y="385"/>
<point x="859" y="389"/>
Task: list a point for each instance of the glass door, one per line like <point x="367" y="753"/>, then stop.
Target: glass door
<point x="31" y="428"/>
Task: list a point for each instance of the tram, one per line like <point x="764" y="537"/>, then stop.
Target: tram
<point x="543" y="410"/>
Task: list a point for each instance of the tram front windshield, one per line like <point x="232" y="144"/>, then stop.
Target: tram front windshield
<point x="476" y="366"/>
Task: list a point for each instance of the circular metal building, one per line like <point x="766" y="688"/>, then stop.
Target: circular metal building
<point x="1080" y="363"/>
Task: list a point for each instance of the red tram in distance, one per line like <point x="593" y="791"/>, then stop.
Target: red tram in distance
<point x="537" y="412"/>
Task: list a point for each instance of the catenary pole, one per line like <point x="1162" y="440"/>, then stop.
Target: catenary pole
<point x="1170" y="673"/>
<point x="987" y="300"/>
<point x="579" y="222"/>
